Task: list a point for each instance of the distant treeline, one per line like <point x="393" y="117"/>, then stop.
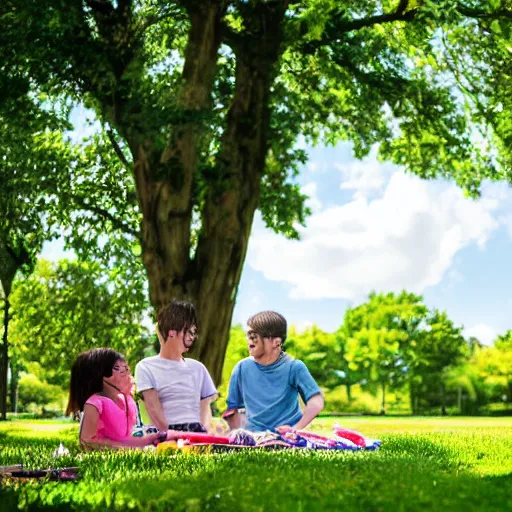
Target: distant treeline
<point x="393" y="354"/>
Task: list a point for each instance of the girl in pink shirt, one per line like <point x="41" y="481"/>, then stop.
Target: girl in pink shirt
<point x="101" y="387"/>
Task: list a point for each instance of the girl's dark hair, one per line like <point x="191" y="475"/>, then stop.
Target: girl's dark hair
<point x="87" y="375"/>
<point x="175" y="316"/>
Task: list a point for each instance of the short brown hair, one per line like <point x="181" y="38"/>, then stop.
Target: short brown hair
<point x="176" y="316"/>
<point x="268" y="324"/>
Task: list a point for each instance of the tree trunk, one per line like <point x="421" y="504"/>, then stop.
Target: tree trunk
<point x="209" y="277"/>
<point x="383" y="406"/>
<point x="349" y="392"/>
<point x="13" y="386"/>
<point x="443" y="401"/>
<point x="11" y="260"/>
<point x="4" y="358"/>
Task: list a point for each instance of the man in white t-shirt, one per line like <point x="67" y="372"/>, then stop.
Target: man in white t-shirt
<point x="177" y="392"/>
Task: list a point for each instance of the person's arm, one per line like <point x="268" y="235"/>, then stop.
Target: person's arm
<point x="310" y="393"/>
<point x="205" y="411"/>
<point x="235" y="400"/>
<point x="208" y="394"/>
<point x="313" y="407"/>
<point x="234" y="419"/>
<point x="89" y="431"/>
<point x="154" y="409"/>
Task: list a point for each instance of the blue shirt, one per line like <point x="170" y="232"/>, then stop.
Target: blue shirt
<point x="270" y="394"/>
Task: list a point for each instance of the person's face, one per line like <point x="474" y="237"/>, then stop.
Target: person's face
<point x="121" y="377"/>
<point x="255" y="343"/>
<point x="258" y="345"/>
<point x="185" y="338"/>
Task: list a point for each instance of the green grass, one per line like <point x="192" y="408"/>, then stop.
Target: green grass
<point x="424" y="464"/>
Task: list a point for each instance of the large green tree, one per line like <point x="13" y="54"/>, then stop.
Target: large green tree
<point x="204" y="101"/>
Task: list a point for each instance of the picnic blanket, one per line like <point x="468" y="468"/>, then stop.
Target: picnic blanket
<point x="342" y="439"/>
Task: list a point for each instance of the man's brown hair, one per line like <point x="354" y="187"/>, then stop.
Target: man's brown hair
<point x="175" y="316"/>
<point x="268" y="324"/>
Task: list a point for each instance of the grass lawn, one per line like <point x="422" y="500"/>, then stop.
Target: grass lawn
<point x="424" y="464"/>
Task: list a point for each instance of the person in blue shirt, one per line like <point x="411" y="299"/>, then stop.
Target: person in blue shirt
<point x="268" y="382"/>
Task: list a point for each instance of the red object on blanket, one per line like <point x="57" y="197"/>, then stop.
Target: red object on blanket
<point x="351" y="435"/>
<point x="199" y="437"/>
<point x="316" y="438"/>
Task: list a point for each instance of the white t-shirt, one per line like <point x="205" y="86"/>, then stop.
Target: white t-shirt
<point x="180" y="385"/>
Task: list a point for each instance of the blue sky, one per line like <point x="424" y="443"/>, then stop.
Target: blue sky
<point x="374" y="227"/>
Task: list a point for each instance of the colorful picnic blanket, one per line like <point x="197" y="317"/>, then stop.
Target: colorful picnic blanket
<point x="342" y="439"/>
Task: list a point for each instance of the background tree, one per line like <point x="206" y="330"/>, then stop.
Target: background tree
<point x="62" y="310"/>
<point x="204" y="101"/>
<point x="36" y="395"/>
<point x="380" y="334"/>
<point x="30" y="137"/>
<point x="438" y="348"/>
<point x="319" y="351"/>
<point x="495" y="364"/>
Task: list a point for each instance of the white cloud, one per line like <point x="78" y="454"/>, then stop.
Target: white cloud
<point x="310" y="189"/>
<point x="407" y="238"/>
<point x="482" y="332"/>
<point x="365" y="177"/>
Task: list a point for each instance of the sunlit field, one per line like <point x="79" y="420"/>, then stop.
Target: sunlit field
<point x="424" y="464"/>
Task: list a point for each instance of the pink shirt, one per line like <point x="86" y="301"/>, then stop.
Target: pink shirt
<point x="113" y="422"/>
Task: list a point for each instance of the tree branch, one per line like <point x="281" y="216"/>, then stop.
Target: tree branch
<point x="400" y="14"/>
<point x="80" y="201"/>
<point x="402" y="6"/>
<point x="153" y="19"/>
<point x="117" y="149"/>
<point x="475" y="13"/>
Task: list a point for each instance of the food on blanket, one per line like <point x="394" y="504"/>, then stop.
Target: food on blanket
<point x="297" y="439"/>
<point x="197" y="437"/>
<point x="242" y="437"/>
<point x="316" y="440"/>
<point x="357" y="438"/>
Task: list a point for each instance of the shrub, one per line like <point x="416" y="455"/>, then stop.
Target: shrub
<point x="34" y="395"/>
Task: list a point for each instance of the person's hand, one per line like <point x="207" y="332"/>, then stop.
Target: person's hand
<point x="284" y="429"/>
<point x="150" y="438"/>
<point x="173" y="434"/>
<point x="159" y="437"/>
